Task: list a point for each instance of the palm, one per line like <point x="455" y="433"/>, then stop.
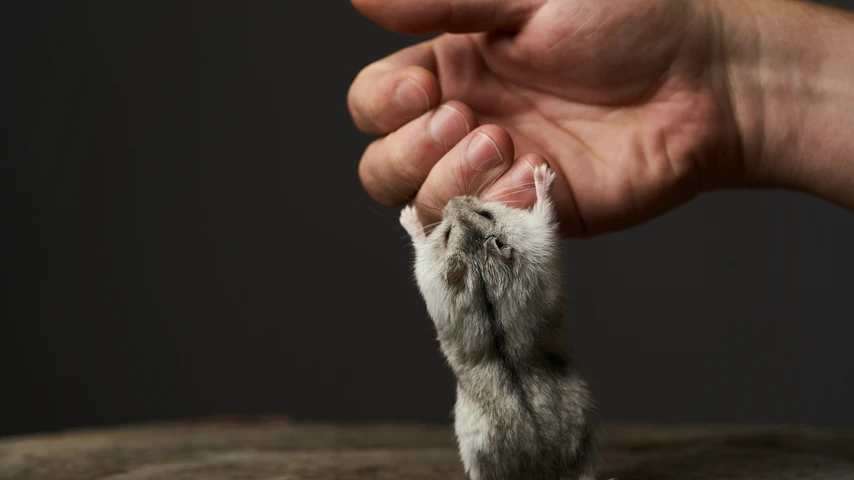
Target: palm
<point x="627" y="133"/>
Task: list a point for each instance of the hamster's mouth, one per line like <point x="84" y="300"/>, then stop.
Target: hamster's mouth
<point x="496" y="246"/>
<point x="494" y="241"/>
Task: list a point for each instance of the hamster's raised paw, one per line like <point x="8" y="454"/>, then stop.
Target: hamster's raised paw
<point x="544" y="177"/>
<point x="410" y="222"/>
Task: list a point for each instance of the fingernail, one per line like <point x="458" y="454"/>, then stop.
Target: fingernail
<point x="448" y="126"/>
<point x="411" y="97"/>
<point x="482" y="153"/>
<point x="522" y="174"/>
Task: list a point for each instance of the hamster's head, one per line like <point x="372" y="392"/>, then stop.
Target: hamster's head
<point x="486" y="251"/>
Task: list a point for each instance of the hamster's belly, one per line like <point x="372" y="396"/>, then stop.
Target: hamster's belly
<point x="492" y="439"/>
<point x="473" y="428"/>
<point x="501" y="436"/>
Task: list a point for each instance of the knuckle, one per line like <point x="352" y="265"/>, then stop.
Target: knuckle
<point x="369" y="183"/>
<point x="371" y="177"/>
<point x="359" y="98"/>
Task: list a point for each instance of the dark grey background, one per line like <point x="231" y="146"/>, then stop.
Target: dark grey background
<point x="184" y="234"/>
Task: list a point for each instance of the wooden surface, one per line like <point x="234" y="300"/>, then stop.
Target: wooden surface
<point x="273" y="448"/>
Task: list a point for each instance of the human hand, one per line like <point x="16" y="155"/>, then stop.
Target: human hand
<point x="629" y="101"/>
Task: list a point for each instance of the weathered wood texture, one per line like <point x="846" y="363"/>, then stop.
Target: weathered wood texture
<point x="273" y="448"/>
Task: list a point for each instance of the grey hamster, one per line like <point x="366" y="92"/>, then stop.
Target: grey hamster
<point x="492" y="281"/>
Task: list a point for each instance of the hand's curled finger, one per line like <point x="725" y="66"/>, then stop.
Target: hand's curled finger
<point x="381" y="100"/>
<point x="394" y="167"/>
<point x="467" y="169"/>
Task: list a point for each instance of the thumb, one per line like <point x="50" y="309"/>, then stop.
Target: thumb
<point x="455" y="16"/>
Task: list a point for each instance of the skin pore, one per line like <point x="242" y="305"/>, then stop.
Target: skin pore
<point x="637" y="105"/>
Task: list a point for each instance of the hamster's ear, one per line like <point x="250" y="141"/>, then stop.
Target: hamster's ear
<point x="409" y="221"/>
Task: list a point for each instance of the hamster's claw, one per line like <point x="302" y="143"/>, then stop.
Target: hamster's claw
<point x="410" y="222"/>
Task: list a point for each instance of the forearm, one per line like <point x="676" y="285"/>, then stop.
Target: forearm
<point x="791" y="72"/>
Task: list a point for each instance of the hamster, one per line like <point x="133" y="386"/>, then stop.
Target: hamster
<point x="492" y="281"/>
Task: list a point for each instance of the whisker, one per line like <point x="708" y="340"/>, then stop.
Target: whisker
<point x="507" y="199"/>
<point x="514" y="203"/>
<point x="380" y="213"/>
<point x="492" y="198"/>
<point x="516" y="187"/>
<point x="408" y="198"/>
<point x="431" y="225"/>
<point x="457" y="178"/>
<point x="414" y="186"/>
<point x="435" y="203"/>
<point x="505" y="193"/>
<point x="429" y="207"/>
<point x="408" y="183"/>
<point x="487" y="186"/>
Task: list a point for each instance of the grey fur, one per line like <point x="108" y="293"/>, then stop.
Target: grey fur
<point x="492" y="281"/>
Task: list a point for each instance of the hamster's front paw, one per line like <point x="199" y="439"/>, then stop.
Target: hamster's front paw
<point x="410" y="222"/>
<point x="544" y="177"/>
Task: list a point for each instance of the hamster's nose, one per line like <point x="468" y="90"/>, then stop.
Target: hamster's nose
<point x="456" y="202"/>
<point x="454" y="205"/>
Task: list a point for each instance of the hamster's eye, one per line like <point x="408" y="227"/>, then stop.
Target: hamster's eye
<point x="447" y="234"/>
<point x="485" y="214"/>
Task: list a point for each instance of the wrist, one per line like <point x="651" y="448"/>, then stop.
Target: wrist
<point x="790" y="72"/>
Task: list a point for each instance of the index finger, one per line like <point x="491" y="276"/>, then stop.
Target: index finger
<point x="469" y="168"/>
<point x="390" y="92"/>
<point x="455" y="16"/>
